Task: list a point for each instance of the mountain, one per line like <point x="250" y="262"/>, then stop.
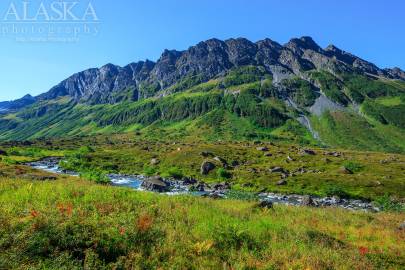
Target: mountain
<point x="207" y="60"/>
<point x="7" y="106"/>
<point x="232" y="89"/>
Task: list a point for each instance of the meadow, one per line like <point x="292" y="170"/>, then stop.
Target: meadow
<point x="75" y="224"/>
<point x="59" y="222"/>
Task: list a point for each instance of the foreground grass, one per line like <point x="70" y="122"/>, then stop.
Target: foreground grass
<point x="74" y="224"/>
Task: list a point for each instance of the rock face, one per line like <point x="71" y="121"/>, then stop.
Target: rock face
<point x="206" y="167"/>
<point x="156" y="184"/>
<point x="207" y="60"/>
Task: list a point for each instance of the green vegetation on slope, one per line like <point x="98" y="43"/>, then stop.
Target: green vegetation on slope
<point x="351" y="131"/>
<point x="388" y="111"/>
<point x="242" y="105"/>
<point x="302" y="92"/>
<point x="331" y="86"/>
<point x="361" y="87"/>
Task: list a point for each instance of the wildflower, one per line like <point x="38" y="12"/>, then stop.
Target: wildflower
<point x="363" y="251"/>
<point x="34" y="213"/>
<point x="144" y="223"/>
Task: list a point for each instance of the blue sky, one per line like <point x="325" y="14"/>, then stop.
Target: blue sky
<point x="132" y="30"/>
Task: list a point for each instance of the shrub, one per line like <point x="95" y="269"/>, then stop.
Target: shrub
<point x="175" y="172"/>
<point x="223" y="174"/>
<point x="233" y="237"/>
<point x="25" y="152"/>
<point x="96" y="176"/>
<point x="353" y="166"/>
<point x="336" y="191"/>
<point x="386" y="203"/>
<point x="149" y="171"/>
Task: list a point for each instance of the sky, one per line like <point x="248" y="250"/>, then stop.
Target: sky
<point x="124" y="31"/>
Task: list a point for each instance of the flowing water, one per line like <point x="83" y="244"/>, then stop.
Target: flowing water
<point x="177" y="187"/>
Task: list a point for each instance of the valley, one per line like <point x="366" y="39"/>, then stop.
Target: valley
<point x="255" y="155"/>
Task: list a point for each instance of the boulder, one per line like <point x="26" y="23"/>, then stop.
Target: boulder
<point x="308" y="201"/>
<point x="402" y="226"/>
<point x="155" y="183"/>
<point x="282" y="182"/>
<point x="206" y="154"/>
<point x="266" y="204"/>
<point x="189" y="181"/>
<point x="206" y="167"/>
<point x="263" y="149"/>
<point x="289" y="158"/>
<point x="235" y="163"/>
<point x="345" y="170"/>
<point x="198" y="187"/>
<point x="277" y="170"/>
<point x="268" y="155"/>
<point x="154" y="161"/>
<point x="308" y="152"/>
<point x="334" y="154"/>
<point x="221" y="160"/>
<point x="222" y="186"/>
<point x="3" y="152"/>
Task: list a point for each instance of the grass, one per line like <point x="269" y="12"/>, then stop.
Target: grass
<point x="374" y="173"/>
<point x="351" y="131"/>
<point x="74" y="224"/>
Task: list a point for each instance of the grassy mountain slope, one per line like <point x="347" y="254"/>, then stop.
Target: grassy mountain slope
<point x="243" y="105"/>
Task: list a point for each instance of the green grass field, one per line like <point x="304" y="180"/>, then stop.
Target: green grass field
<point x="74" y="224"/>
<point x="379" y="174"/>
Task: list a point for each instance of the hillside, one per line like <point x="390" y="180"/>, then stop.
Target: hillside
<point x="231" y="90"/>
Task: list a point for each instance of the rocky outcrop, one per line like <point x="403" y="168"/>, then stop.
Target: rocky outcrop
<point x="156" y="184"/>
<point x="206" y="167"/>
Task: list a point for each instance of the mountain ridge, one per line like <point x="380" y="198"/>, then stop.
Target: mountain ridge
<point x="210" y="59"/>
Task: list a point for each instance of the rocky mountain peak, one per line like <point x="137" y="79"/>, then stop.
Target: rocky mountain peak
<point x="211" y="59"/>
<point x="297" y="45"/>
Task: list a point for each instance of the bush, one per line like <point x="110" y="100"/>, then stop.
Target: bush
<point x="223" y="174"/>
<point x="149" y="171"/>
<point x="96" y="176"/>
<point x="386" y="203"/>
<point x="353" y="166"/>
<point x="233" y="237"/>
<point x="336" y="191"/>
<point x="25" y="152"/>
<point x="175" y="172"/>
